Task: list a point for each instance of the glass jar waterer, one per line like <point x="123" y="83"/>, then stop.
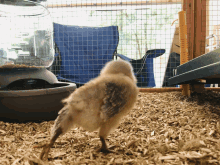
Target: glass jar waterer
<point x="28" y="89"/>
<point x="26" y="42"/>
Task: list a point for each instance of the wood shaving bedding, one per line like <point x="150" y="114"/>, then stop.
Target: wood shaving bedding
<point x="163" y="128"/>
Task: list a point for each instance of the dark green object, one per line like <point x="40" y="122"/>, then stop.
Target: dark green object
<point x="205" y="67"/>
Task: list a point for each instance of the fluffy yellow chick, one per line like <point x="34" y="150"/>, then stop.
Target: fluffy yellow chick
<point x="99" y="104"/>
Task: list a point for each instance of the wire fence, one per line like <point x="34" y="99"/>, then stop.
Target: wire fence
<point x="89" y="33"/>
<point x="203" y="28"/>
<point x="144" y="32"/>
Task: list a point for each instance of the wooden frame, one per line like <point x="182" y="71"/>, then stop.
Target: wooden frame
<point x="207" y="22"/>
<point x="146" y="2"/>
<point x="196" y="34"/>
<point x="196" y="26"/>
<point x="172" y="89"/>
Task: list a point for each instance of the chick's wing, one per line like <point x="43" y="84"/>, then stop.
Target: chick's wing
<point x="114" y="99"/>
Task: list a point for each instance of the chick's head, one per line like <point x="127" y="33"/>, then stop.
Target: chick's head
<point x="119" y="67"/>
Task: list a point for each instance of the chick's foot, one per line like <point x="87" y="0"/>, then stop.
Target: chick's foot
<point x="45" y="152"/>
<point x="105" y="150"/>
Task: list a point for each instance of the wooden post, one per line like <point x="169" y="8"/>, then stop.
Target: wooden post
<point x="184" y="56"/>
<point x="196" y="33"/>
<point x="200" y="35"/>
<point x="188" y="7"/>
<point x="200" y="28"/>
<point x="143" y="2"/>
<point x="207" y="23"/>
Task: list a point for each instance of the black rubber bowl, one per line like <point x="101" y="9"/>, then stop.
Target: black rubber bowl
<point x="18" y="105"/>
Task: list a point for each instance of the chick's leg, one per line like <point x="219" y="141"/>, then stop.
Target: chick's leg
<point x="46" y="149"/>
<point x="61" y="125"/>
<point x="103" y="133"/>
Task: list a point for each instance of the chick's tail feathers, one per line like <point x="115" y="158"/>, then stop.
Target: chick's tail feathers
<point x="63" y="122"/>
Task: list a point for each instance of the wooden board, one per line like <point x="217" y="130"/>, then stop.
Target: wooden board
<point x="176" y="41"/>
<point x="216" y="31"/>
<point x="150" y="2"/>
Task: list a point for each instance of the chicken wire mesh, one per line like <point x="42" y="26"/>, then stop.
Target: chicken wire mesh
<point x="144" y="36"/>
<point x="203" y="27"/>
<point x="89" y="33"/>
<point x="213" y="27"/>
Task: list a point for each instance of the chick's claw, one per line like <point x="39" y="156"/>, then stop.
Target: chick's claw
<point x="39" y="146"/>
